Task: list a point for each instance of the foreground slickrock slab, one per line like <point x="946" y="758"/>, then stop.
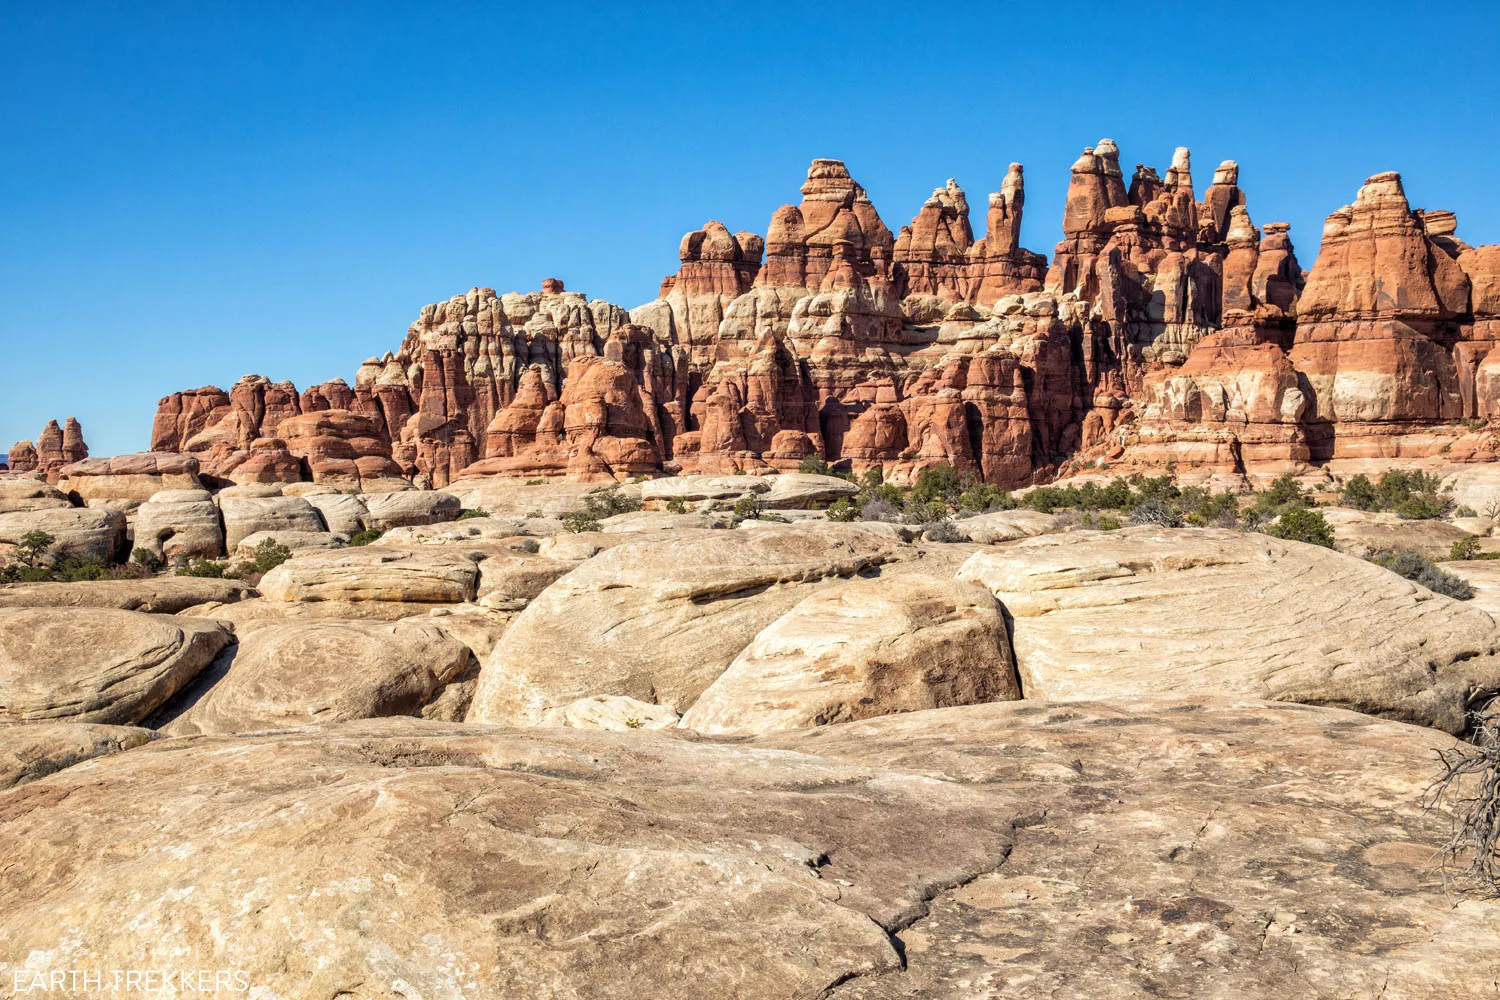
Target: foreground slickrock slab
<point x="162" y="595"/>
<point x="297" y="673"/>
<point x="866" y="648"/>
<point x="77" y="532"/>
<point x="372" y="573"/>
<point x="38" y="749"/>
<point x="660" y="618"/>
<point x="96" y="664"/>
<point x="1089" y="850"/>
<point x="1150" y="612"/>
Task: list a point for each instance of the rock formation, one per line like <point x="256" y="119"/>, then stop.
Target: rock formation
<point x="55" y="447"/>
<point x="1165" y="330"/>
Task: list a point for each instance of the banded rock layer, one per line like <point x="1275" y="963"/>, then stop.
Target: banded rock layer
<point x="1166" y="329"/>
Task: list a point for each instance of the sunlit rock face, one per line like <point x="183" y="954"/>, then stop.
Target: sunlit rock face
<point x="1167" y="330"/>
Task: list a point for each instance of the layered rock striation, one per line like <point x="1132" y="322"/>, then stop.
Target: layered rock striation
<point x="1166" y="329"/>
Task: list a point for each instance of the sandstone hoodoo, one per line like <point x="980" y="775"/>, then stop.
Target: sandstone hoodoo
<point x="1166" y="329"/>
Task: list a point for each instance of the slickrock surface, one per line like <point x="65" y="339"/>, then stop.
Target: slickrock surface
<point x="77" y="532"/>
<point x="163" y="595"/>
<point x="29" y="494"/>
<point x="298" y="673"/>
<point x="1093" y="849"/>
<point x="659" y="619"/>
<point x="1154" y="612"/>
<point x="245" y="515"/>
<point x="373" y="573"/>
<point x="38" y="749"/>
<point x="1364" y="533"/>
<point x="96" y="664"/>
<point x="867" y="648"/>
<point x="180" y="525"/>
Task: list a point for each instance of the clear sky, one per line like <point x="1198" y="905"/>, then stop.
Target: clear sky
<point x="190" y="192"/>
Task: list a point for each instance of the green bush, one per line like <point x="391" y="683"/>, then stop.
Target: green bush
<point x="747" y="508"/>
<point x="146" y="560"/>
<point x="610" y="502"/>
<point x="941" y="482"/>
<point x="1301" y="524"/>
<point x="676" y="506"/>
<point x="267" y="555"/>
<point x="207" y="569"/>
<point x="580" y="521"/>
<point x="33" y="545"/>
<point x="1414" y="567"/>
<point x="843" y="509"/>
<point x="476" y="512"/>
<point x="813" y="464"/>
<point x="1464" y="549"/>
<point x="982" y="498"/>
<point x="365" y="537"/>
<point x="79" y="570"/>
<point x="18" y="573"/>
<point x="1360" y="494"/>
<point x="536" y="482"/>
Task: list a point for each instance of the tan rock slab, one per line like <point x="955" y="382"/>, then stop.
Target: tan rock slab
<point x="1157" y="612"/>
<point x="863" y="649"/>
<point x="97" y="665"/>
<point x="373" y="573"/>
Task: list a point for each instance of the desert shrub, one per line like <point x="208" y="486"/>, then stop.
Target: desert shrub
<point x="982" y="497"/>
<point x="1100" y="522"/>
<point x="536" y="482"/>
<point x="813" y="464"/>
<point x="1464" y="549"/>
<point x="32" y="546"/>
<point x="206" y="568"/>
<point x="1202" y="507"/>
<point x="20" y="573"/>
<point x="464" y="515"/>
<point x="943" y="531"/>
<point x="1413" y="494"/>
<point x="267" y="555"/>
<point x="580" y="520"/>
<point x="747" y="508"/>
<point x="676" y="506"/>
<point x="1302" y="524"/>
<point x="1156" y="510"/>
<point x="843" y="509"/>
<point x="939" y="483"/>
<point x="610" y="502"/>
<point x="77" y="569"/>
<point x="879" y="510"/>
<point x="1359" y="493"/>
<point x="920" y="512"/>
<point x="1469" y="789"/>
<point x="146" y="560"/>
<point x="365" y="537"/>
<point x="529" y="545"/>
<point x="1414" y="567"/>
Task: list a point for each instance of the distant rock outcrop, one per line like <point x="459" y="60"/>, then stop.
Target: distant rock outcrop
<point x="1166" y="330"/>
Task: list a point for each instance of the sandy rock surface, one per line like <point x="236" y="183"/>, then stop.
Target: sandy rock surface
<point x="1148" y="612"/>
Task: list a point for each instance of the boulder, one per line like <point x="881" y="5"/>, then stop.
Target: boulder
<point x="179" y="525"/>
<point x="341" y="512"/>
<point x="130" y="477"/>
<point x="615" y="713"/>
<point x="473" y="530"/>
<point x="1157" y="612"/>
<point x="77" y="532"/>
<point x="1007" y="526"/>
<point x="245" y="515"/>
<point x="658" y="619"/>
<point x="542" y="497"/>
<point x="162" y="595"/>
<point x="801" y="489"/>
<point x="407" y="507"/>
<point x="658" y="520"/>
<point x="1089" y="850"/>
<point x="30" y="494"/>
<point x="373" y="573"/>
<point x="97" y="664"/>
<point x="37" y="750"/>
<point x="246" y="616"/>
<point x="296" y="673"/>
<point x="297" y="541"/>
<point x="510" y="582"/>
<point x="862" y="649"/>
<point x="694" y="488"/>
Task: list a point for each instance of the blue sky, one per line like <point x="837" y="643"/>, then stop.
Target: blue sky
<point x="190" y="192"/>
